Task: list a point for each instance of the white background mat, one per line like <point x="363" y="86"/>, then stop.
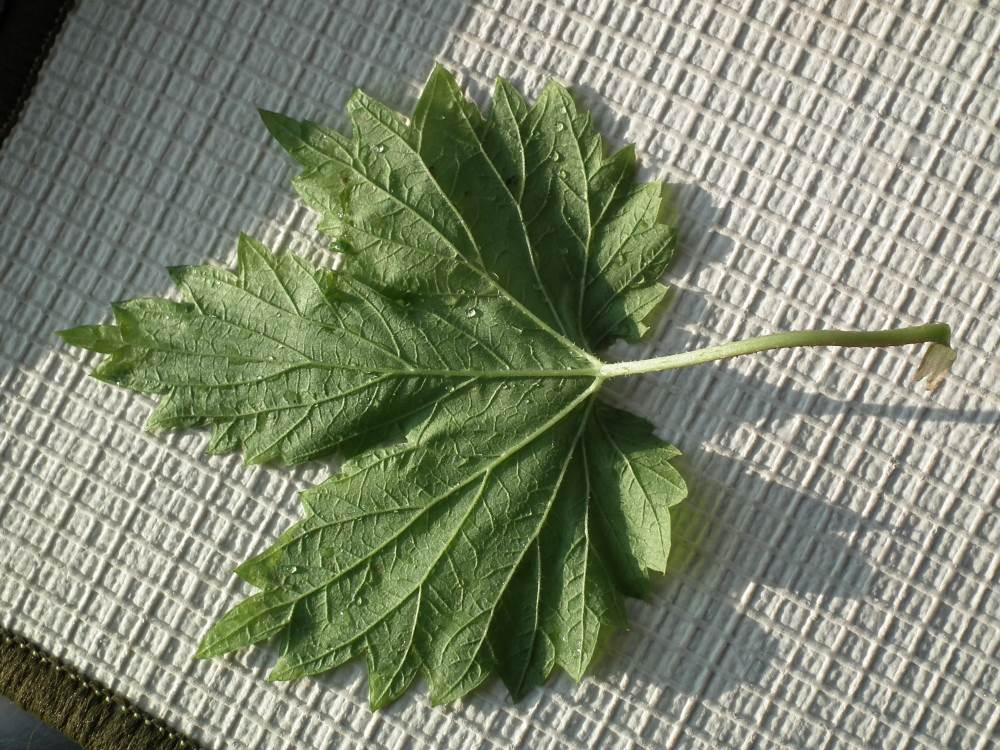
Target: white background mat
<point x="835" y="575"/>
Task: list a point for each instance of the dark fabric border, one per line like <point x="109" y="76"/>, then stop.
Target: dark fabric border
<point x="79" y="707"/>
<point x="27" y="30"/>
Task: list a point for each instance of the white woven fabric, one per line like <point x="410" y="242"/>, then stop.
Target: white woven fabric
<point x="835" y="575"/>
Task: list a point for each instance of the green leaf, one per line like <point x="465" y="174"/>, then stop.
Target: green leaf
<point x="492" y="512"/>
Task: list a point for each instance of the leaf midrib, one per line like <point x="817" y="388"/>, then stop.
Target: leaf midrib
<point x="478" y="270"/>
<point x="593" y="371"/>
<point x="483" y="472"/>
<point x="538" y="528"/>
<point x="529" y="246"/>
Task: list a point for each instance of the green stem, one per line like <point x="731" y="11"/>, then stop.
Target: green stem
<point x="938" y="333"/>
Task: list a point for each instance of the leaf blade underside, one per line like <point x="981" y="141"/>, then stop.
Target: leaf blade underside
<point x="493" y="512"/>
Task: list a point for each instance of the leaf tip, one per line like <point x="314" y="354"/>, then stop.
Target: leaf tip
<point x="517" y="693"/>
<point x="268" y="115"/>
<point x="177" y="274"/>
<point x="208" y="647"/>
<point x="357" y="100"/>
<point x="379" y="700"/>
<point x="101" y="338"/>
<point x="246" y="570"/>
<point x="277" y="124"/>
<point x="504" y="90"/>
<point x="119" y="307"/>
<point x="246" y="247"/>
<point x="258" y="458"/>
<point x="280" y="672"/>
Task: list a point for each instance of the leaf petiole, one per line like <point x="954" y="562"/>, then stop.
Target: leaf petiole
<point x="937" y="334"/>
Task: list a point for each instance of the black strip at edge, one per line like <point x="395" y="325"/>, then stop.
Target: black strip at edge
<point x="79" y="707"/>
<point x="69" y="702"/>
<point x="28" y="28"/>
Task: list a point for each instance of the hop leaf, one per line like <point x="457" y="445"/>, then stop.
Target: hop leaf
<point x="493" y="512"/>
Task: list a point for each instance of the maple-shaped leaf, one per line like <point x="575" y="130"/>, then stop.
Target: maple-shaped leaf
<point x="493" y="512"/>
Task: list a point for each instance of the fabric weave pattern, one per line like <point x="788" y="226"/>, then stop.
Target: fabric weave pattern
<point x="835" y="164"/>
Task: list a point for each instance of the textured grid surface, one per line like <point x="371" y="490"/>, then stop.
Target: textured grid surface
<point x="836" y="163"/>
